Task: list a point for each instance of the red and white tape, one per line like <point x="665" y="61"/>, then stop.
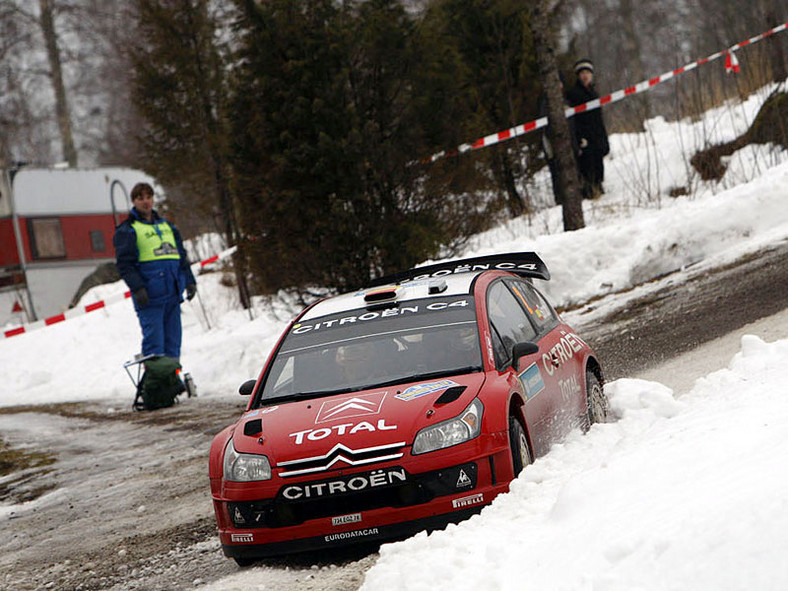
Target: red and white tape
<point x="118" y="297"/>
<point x="507" y="134"/>
<point x="731" y="64"/>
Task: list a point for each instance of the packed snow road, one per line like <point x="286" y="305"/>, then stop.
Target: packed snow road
<point x="113" y="499"/>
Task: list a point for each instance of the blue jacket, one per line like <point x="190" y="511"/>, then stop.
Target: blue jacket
<point x="163" y="279"/>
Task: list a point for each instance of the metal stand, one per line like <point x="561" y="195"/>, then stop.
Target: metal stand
<point x="138" y="360"/>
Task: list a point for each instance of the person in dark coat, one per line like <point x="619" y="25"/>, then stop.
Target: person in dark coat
<point x="151" y="259"/>
<point x="547" y="143"/>
<point x="590" y="131"/>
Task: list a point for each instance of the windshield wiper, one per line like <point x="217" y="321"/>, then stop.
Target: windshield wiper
<point x="420" y="377"/>
<point x="315" y="394"/>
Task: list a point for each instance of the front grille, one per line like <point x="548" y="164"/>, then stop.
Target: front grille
<point x="315" y="499"/>
<point x="341" y="453"/>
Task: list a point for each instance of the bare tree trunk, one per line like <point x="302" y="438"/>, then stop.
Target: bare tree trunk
<point x="214" y="124"/>
<point x="232" y="234"/>
<point x="5" y="159"/>
<point x="633" y="54"/>
<point x="505" y="173"/>
<point x="562" y="143"/>
<point x="56" y="76"/>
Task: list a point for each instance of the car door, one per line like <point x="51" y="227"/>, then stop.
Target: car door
<point x="509" y="325"/>
<point x="559" y="359"/>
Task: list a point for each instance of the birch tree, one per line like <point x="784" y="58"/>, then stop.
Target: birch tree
<point x="47" y="24"/>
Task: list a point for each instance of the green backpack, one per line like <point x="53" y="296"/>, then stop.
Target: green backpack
<point x="160" y="384"/>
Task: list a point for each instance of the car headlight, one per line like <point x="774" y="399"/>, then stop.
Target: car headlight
<point x="245" y="467"/>
<point x="461" y="428"/>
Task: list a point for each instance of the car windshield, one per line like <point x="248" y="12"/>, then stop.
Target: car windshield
<point x="362" y="349"/>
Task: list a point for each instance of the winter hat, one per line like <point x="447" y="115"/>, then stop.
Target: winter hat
<point x="584" y="64"/>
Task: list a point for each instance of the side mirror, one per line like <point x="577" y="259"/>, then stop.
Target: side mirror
<point x="247" y="387"/>
<point x="521" y="350"/>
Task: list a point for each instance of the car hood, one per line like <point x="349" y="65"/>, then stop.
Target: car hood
<point x="355" y="422"/>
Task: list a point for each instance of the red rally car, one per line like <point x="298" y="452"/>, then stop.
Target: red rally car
<point x="401" y="407"/>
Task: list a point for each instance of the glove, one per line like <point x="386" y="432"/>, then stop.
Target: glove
<point x="141" y="297"/>
<point x="191" y="290"/>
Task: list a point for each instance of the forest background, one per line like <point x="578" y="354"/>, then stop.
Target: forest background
<point x="297" y="129"/>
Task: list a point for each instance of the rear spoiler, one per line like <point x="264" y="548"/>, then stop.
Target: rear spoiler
<point x="527" y="264"/>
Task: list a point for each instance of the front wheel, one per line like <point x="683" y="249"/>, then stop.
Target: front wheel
<point x="518" y="443"/>
<point x="597" y="402"/>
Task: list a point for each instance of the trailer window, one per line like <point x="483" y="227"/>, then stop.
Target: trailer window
<point x="46" y="238"/>
<point x="97" y="241"/>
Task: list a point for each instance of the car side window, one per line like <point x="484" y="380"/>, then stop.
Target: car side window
<point x="539" y="311"/>
<point x="508" y="322"/>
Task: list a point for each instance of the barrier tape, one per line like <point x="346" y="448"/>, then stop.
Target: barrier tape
<point x="613" y="97"/>
<point x="483" y="142"/>
<point x="118" y="297"/>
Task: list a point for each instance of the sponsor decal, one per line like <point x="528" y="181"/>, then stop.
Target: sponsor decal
<point x="423" y="389"/>
<point x="242" y="537"/>
<point x="301" y="328"/>
<point x="347" y="484"/>
<point x="490" y="351"/>
<point x="342" y="429"/>
<point x="463" y="480"/>
<point x="346" y="535"/>
<point x="343" y="519"/>
<point x="562" y="351"/>
<point x="268" y="409"/>
<point x="165" y="248"/>
<point x="351" y="406"/>
<point x="531" y="379"/>
<point x="465" y="268"/>
<point x="570" y="388"/>
<point x="533" y="311"/>
<point x="238" y="516"/>
<point x="254" y="413"/>
<point x="467" y="501"/>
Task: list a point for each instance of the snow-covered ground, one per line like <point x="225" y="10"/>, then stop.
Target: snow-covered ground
<point x="684" y="491"/>
<point x="82" y="358"/>
<point x="679" y="493"/>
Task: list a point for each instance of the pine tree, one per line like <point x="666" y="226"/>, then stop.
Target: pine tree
<point x="328" y="110"/>
<point x="499" y="88"/>
<point x="179" y="89"/>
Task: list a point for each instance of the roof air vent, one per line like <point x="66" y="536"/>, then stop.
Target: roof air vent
<point x="381" y="296"/>
<point x="437" y="285"/>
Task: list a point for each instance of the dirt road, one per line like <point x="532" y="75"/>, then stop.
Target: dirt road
<point x="119" y="500"/>
<point x="688" y="310"/>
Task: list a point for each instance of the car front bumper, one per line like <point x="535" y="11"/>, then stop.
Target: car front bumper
<point x="251" y="527"/>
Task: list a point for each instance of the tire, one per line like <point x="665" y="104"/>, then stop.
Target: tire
<point x="596" y="400"/>
<point x="518" y="444"/>
<point x="243" y="562"/>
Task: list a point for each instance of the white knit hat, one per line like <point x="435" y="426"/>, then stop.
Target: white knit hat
<point x="584" y="64"/>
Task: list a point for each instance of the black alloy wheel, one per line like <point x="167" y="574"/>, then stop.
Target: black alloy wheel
<point x="597" y="402"/>
<point x="518" y="443"/>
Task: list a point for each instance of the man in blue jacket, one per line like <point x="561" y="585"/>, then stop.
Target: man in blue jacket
<point x="152" y="261"/>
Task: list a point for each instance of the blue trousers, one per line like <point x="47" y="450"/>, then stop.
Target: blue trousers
<point x="161" y="328"/>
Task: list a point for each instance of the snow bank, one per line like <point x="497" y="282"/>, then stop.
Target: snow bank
<point x="676" y="494"/>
